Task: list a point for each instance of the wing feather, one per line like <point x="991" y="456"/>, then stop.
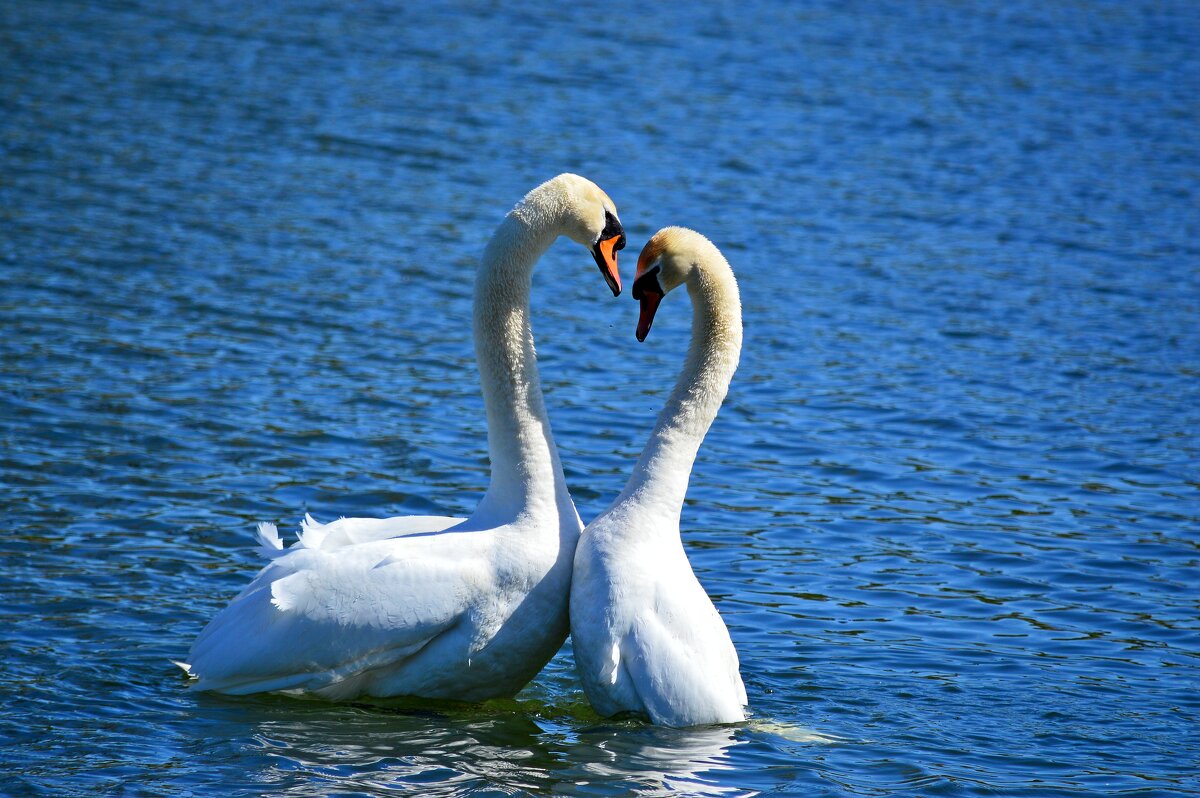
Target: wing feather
<point x="313" y="618"/>
<point x="682" y="663"/>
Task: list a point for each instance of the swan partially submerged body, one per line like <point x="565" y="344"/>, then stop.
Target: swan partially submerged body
<point x="437" y="607"/>
<point x="647" y="638"/>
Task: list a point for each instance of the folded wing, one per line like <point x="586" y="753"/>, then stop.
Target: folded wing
<point x="313" y="619"/>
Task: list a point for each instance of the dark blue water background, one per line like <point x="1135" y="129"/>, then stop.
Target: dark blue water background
<point x="949" y="511"/>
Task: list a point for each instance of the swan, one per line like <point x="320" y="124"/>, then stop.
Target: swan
<point x="451" y="608"/>
<point x="647" y="639"/>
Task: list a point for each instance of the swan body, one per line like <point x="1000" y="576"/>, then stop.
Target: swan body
<point x="647" y="638"/>
<point x="461" y="608"/>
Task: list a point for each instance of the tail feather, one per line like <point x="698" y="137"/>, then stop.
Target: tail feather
<point x="312" y="532"/>
<point x="269" y="544"/>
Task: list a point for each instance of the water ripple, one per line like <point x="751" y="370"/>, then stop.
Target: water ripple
<point x="948" y="511"/>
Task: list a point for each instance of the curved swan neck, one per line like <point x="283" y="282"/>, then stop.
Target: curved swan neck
<point x="524" y="461"/>
<point x="660" y="479"/>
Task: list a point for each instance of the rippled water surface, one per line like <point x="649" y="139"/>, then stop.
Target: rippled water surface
<point x="949" y="510"/>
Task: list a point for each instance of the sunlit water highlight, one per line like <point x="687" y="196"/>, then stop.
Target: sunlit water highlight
<point x="949" y="511"/>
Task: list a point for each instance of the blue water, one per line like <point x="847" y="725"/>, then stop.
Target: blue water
<point x="950" y="511"/>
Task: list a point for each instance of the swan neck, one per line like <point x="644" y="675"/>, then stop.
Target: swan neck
<point x="525" y="468"/>
<point x="660" y="479"/>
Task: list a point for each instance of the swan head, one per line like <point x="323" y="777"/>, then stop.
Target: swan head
<point x="669" y="259"/>
<point x="588" y="217"/>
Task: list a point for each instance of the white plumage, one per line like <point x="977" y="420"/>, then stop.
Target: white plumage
<point x="647" y="638"/>
<point x="429" y="606"/>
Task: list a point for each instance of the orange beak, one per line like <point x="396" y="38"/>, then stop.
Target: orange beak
<point x="605" y="253"/>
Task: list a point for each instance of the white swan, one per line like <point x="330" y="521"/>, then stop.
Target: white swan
<point x="647" y="638"/>
<point x="427" y="606"/>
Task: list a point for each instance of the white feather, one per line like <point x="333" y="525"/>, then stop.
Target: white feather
<point x="270" y="546"/>
<point x="647" y="637"/>
<point x="423" y="605"/>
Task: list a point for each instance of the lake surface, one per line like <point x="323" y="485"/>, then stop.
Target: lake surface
<point x="950" y="510"/>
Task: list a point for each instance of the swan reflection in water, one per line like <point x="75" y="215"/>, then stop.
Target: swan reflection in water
<point x="313" y="748"/>
<point x="660" y="760"/>
<point x="368" y="748"/>
<point x="655" y="760"/>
